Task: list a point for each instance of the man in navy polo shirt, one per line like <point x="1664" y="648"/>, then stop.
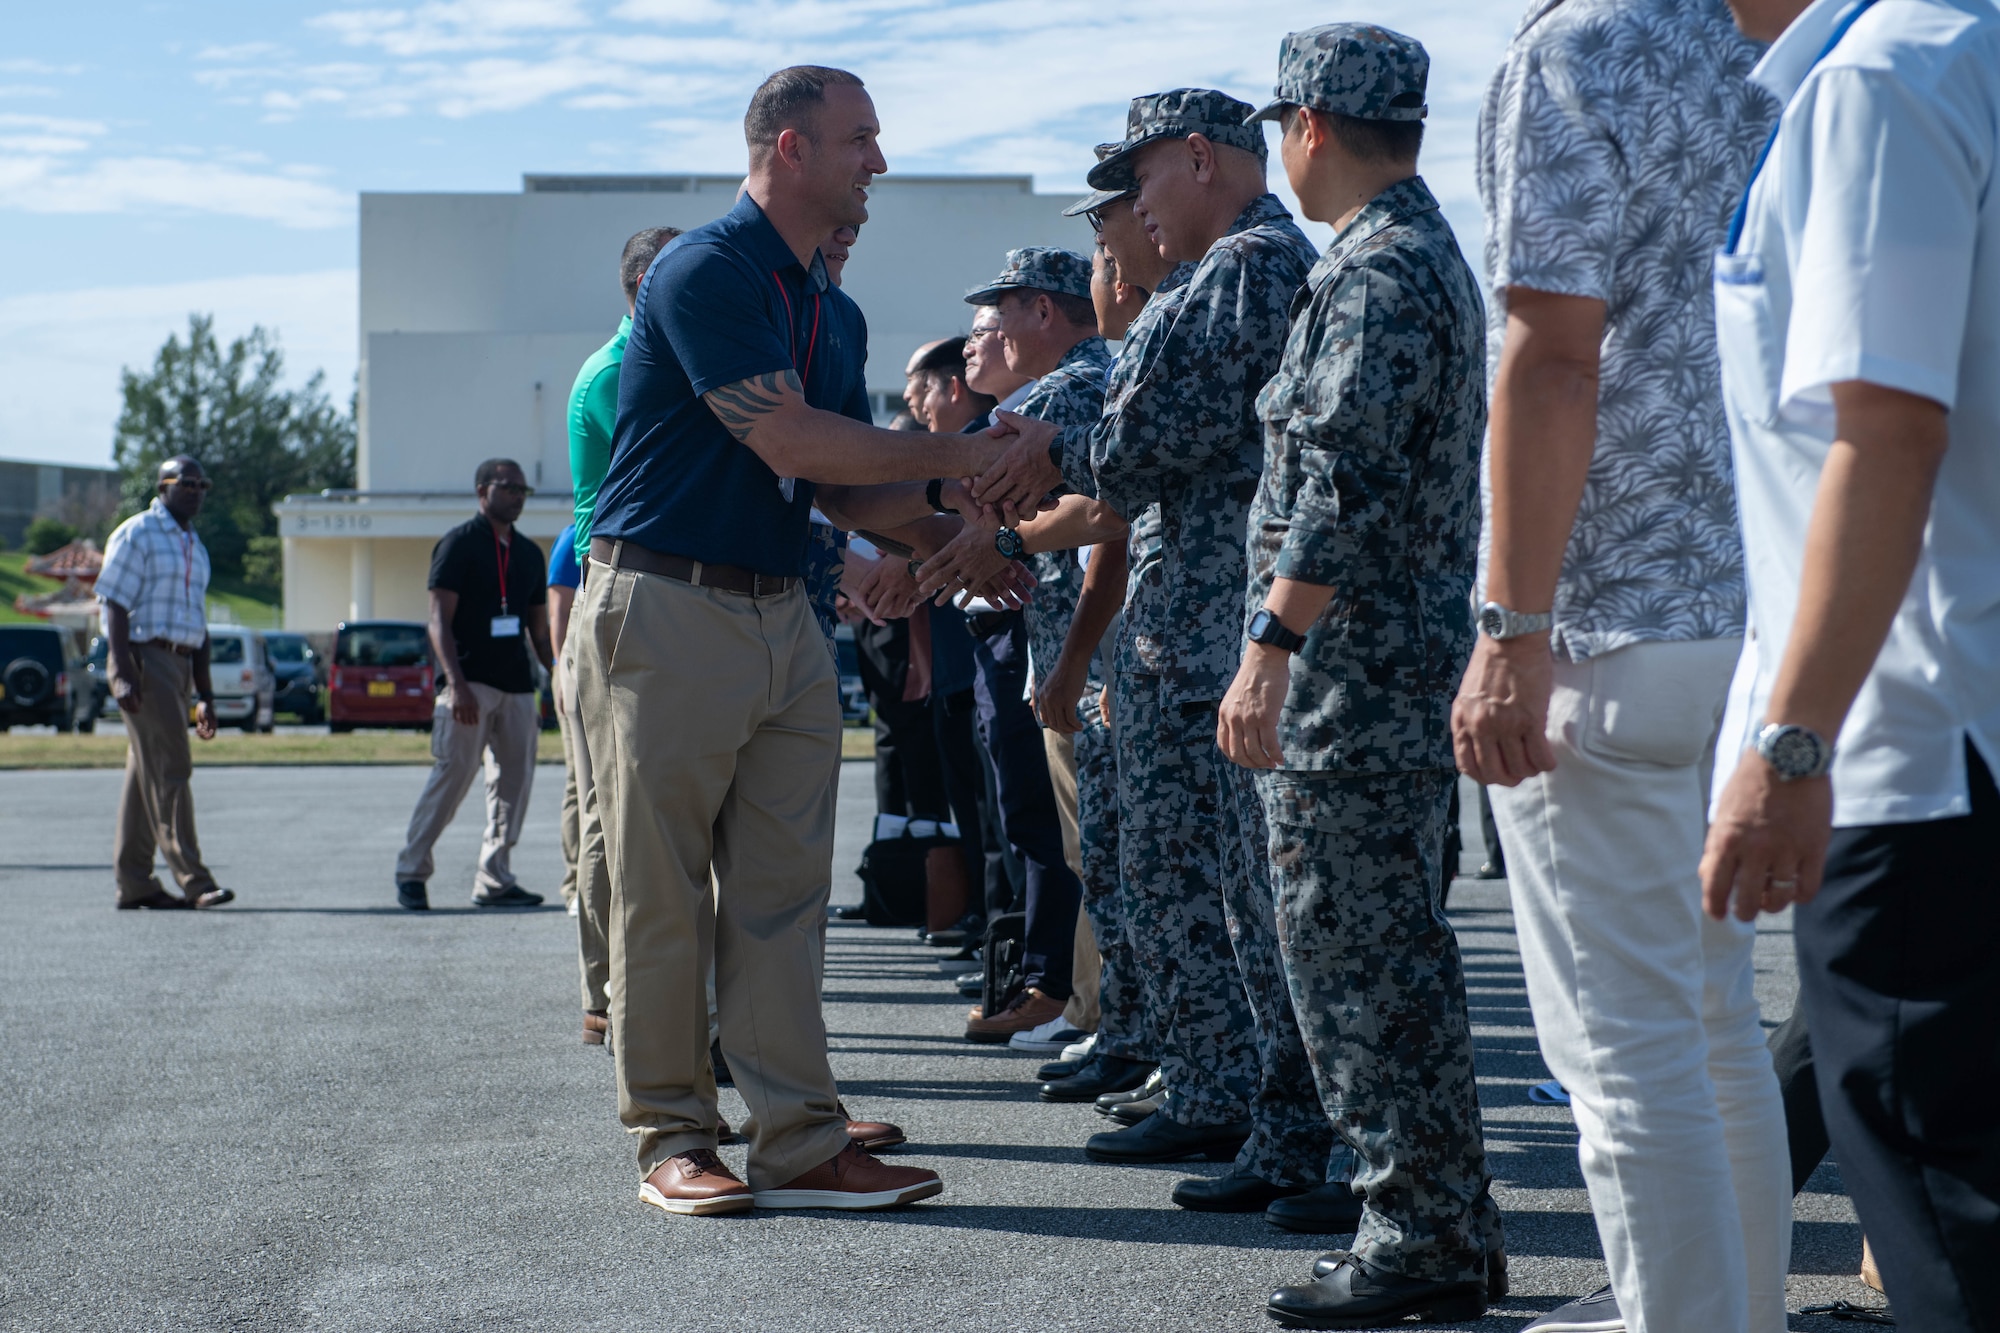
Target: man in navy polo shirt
<point x="708" y="695"/>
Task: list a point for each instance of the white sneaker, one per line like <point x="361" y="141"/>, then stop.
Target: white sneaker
<point x="1053" y="1035"/>
<point x="1595" y="1313"/>
<point x="1080" y="1050"/>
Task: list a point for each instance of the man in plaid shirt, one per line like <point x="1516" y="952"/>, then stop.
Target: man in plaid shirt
<point x="153" y="590"/>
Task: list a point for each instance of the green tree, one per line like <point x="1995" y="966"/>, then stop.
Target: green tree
<point x="258" y="440"/>
<point x="47" y="534"/>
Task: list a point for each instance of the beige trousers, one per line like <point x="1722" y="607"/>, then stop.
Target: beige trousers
<point x="156" y="808"/>
<point x="1087" y="971"/>
<point x="589" y="877"/>
<point x="504" y="737"/>
<point x="714" y="734"/>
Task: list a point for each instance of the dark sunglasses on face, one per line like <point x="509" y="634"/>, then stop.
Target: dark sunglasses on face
<point x="512" y="487"/>
<point x="192" y="483"/>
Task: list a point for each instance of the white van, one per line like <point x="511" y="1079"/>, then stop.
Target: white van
<point x="246" y="688"/>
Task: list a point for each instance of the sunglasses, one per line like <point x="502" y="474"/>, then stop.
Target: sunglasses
<point x="512" y="487"/>
<point x="192" y="483"/>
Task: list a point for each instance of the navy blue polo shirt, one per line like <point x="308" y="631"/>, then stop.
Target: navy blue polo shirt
<point x="723" y="303"/>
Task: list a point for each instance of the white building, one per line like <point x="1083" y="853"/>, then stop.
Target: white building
<point x="477" y="310"/>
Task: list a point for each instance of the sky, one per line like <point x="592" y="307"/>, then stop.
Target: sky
<point x="159" y="157"/>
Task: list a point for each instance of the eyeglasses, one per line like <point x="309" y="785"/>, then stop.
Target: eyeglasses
<point x="192" y="483"/>
<point x="1096" y="221"/>
<point x="512" y="487"/>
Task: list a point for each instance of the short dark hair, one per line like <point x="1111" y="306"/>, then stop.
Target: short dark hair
<point x="638" y="256"/>
<point x="489" y="471"/>
<point x="947" y="359"/>
<point x="1369" y="140"/>
<point x="789" y="100"/>
<point x="1076" y="309"/>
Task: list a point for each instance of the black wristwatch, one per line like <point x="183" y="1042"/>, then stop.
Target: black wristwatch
<point x="1008" y="543"/>
<point x="934" y="493"/>
<point x="916" y="565"/>
<point x="1267" y="629"/>
<point x="207" y="698"/>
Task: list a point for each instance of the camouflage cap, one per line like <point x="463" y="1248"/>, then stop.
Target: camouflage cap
<point x="1354" y="69"/>
<point x="1041" y="268"/>
<point x="1215" y="116"/>
<point x="1099" y="198"/>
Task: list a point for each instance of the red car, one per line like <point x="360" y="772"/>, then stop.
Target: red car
<point x="381" y="676"/>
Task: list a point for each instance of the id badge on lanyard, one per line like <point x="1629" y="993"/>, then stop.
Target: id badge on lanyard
<point x="504" y="626"/>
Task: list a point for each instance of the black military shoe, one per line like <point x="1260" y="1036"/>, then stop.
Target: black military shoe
<point x="1496" y="1287"/>
<point x="1104" y="1074"/>
<point x="1158" y="1139"/>
<point x="1233" y="1193"/>
<point x="412" y="894"/>
<point x="1356" y="1294"/>
<point x="1329" y="1210"/>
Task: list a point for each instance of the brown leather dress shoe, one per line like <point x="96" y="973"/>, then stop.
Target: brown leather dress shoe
<point x="695" y="1183"/>
<point x="596" y="1026"/>
<point x="874" y="1135"/>
<point x="158" y="900"/>
<point x="852" y="1179"/>
<point x="1030" y="1009"/>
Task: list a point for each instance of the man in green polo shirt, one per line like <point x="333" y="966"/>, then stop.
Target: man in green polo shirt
<point x="593" y="413"/>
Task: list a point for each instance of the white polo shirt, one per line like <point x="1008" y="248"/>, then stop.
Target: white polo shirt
<point x="1871" y="251"/>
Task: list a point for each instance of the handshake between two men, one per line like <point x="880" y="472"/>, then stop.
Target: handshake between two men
<point x="956" y="548"/>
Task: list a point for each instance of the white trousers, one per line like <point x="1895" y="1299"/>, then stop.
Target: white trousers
<point x="1645" y="1008"/>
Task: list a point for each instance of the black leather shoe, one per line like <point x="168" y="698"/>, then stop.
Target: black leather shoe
<point x="1057" y="1070"/>
<point x="1103" y="1074"/>
<point x="1132" y="1112"/>
<point x="1150" y="1088"/>
<point x="1233" y="1193"/>
<point x="1330" y="1210"/>
<point x="1158" y="1139"/>
<point x="1490" y="870"/>
<point x="1358" y="1295"/>
<point x="411" y="893"/>
<point x="1496" y="1282"/>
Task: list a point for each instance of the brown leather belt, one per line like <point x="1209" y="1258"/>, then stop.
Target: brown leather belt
<point x="727" y="578"/>
<point x="178" y="648"/>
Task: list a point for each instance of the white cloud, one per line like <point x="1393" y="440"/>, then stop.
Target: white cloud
<point x="45" y="168"/>
<point x="60" y="352"/>
<point x="452" y="26"/>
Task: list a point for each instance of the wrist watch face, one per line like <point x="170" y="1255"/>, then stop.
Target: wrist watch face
<point x="1492" y="621"/>
<point x="1793" y="751"/>
<point x="1008" y="543"/>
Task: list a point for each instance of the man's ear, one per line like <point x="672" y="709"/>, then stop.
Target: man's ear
<point x="1201" y="157"/>
<point x="791" y="148"/>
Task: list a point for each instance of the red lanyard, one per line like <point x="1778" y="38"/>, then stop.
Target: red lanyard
<point x="502" y="553"/>
<point x="791" y="331"/>
<point x="187" y="566"/>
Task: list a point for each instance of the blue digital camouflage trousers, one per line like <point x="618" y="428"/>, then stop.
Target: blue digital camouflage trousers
<point x="1198" y="915"/>
<point x="1126" y="1027"/>
<point x="1377" y="982"/>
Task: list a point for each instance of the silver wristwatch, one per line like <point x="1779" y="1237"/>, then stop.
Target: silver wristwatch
<point x="1497" y="622"/>
<point x="1794" y="752"/>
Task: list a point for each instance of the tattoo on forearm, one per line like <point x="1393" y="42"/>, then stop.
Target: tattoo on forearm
<point x="738" y="405"/>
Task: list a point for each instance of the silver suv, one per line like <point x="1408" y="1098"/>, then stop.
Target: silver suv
<point x="246" y="689"/>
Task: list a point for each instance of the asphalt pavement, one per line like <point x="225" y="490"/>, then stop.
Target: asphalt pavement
<point x="311" y="1110"/>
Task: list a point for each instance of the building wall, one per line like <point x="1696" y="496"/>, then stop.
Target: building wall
<point x="84" y="497"/>
<point x="320" y="573"/>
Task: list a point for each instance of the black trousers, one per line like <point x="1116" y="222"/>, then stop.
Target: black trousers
<point x="909" y="777"/>
<point x="953" y="719"/>
<point x="1028" y="815"/>
<point x="1899" y="969"/>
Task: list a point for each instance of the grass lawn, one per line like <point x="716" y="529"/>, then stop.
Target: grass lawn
<point x="235" y="747"/>
<point x="257" y="608"/>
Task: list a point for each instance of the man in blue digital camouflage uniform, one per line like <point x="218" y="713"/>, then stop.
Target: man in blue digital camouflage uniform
<point x="1362" y="546"/>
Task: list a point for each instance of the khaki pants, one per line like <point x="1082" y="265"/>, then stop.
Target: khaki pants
<point x="156" y="809"/>
<point x="592" y="879"/>
<point x="714" y="734"/>
<point x="1088" y="968"/>
<point x="505" y="736"/>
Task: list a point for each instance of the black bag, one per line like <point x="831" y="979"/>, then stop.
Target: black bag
<point x="1002" y="954"/>
<point x="893" y="881"/>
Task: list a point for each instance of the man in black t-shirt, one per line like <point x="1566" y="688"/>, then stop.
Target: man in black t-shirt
<point x="489" y="604"/>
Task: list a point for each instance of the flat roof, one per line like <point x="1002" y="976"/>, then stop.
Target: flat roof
<point x="692" y="183"/>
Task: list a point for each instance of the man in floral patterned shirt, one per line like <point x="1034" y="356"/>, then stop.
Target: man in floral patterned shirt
<point x="1614" y="143"/>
